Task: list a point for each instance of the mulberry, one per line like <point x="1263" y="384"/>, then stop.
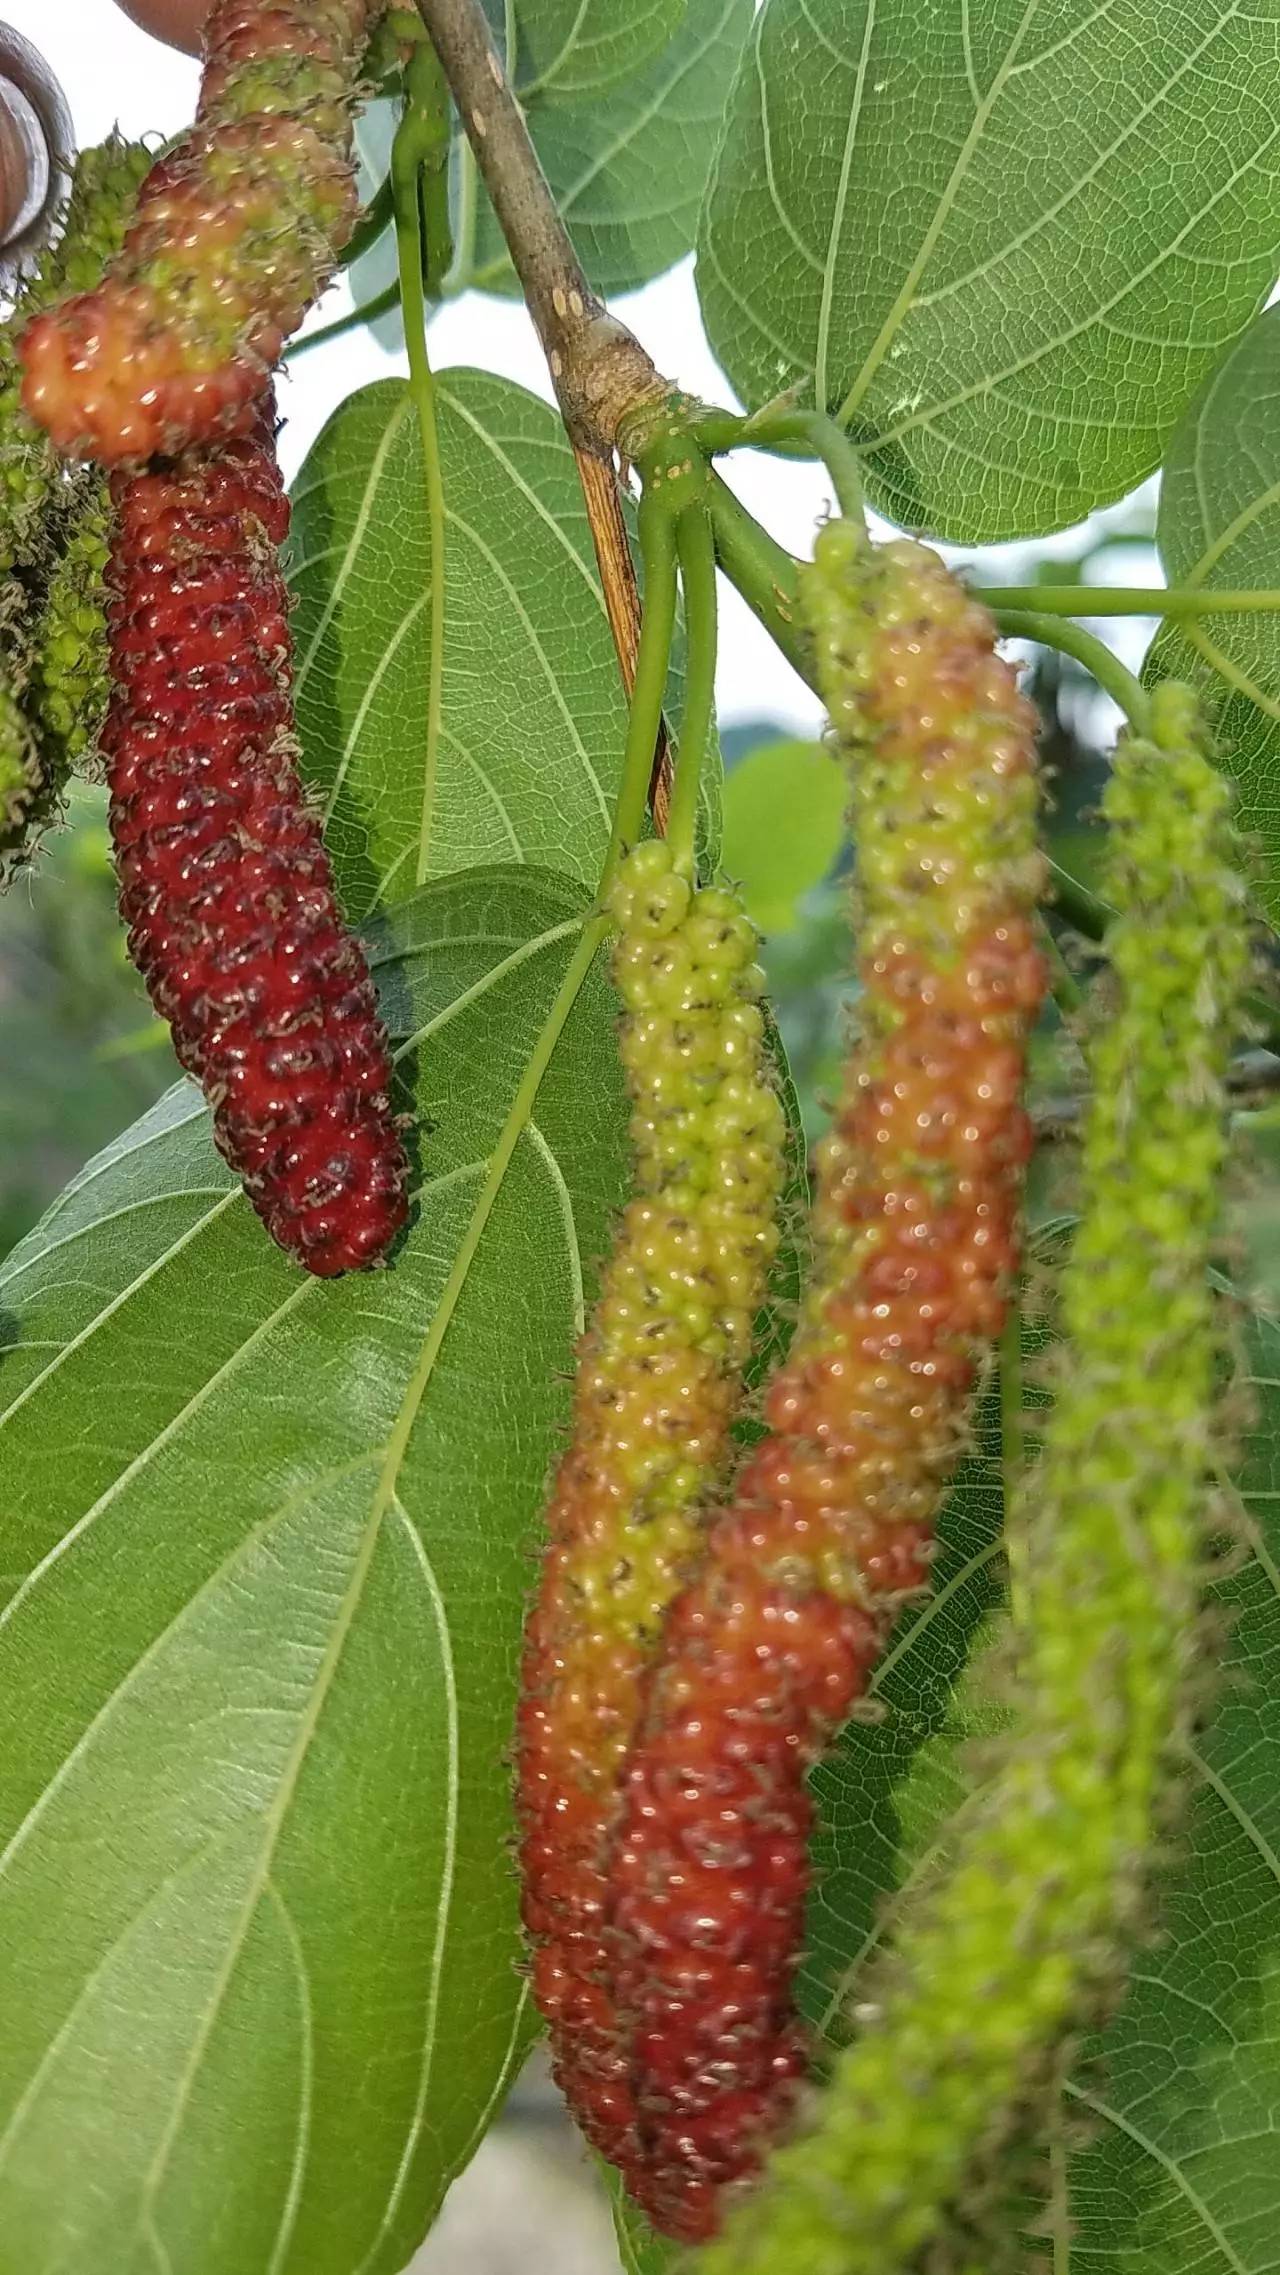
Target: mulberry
<point x="53" y="532"/>
<point x="657" y="1389"/>
<point x="33" y="487"/>
<point x="829" y="1528"/>
<point x="235" y="235"/>
<point x="1015" y="1942"/>
<point x="224" y="882"/>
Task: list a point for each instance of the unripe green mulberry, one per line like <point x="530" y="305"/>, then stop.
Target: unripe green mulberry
<point x="70" y="684"/>
<point x="1014" y="1944"/>
<point x="54" y="524"/>
<point x="830" y="1524"/>
<point x="657" y="1390"/>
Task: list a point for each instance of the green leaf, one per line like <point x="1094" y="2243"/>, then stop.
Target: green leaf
<point x="576" y="47"/>
<point x="532" y="711"/>
<point x="266" y="1552"/>
<point x="628" y="167"/>
<point x="1219" y="526"/>
<point x="783" y="827"/>
<point x="978" y="234"/>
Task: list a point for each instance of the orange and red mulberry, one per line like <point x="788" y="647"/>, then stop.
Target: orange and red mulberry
<point x="235" y="235"/>
<point x="658" y="1386"/>
<point x="830" y="1524"/>
<point x="224" y="881"/>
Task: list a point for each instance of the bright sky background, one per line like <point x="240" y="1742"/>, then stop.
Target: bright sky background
<point x="113" y="74"/>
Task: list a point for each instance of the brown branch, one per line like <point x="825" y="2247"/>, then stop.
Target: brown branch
<point x="599" y="370"/>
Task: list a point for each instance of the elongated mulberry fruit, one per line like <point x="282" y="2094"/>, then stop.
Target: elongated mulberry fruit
<point x="1017" y="1940"/>
<point x="224" y="881"/>
<point x="235" y="236"/>
<point x="830" y="1525"/>
<point x="658" y="1386"/>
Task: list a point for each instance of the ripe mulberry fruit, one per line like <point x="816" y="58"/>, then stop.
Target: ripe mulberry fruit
<point x="235" y="236"/>
<point x="1015" y="1943"/>
<point x="830" y="1523"/>
<point x="657" y="1389"/>
<point x="224" y="881"/>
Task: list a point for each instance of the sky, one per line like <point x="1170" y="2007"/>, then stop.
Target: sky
<point x="114" y="75"/>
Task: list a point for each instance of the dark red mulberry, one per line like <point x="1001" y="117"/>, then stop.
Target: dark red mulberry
<point x="916" y="1232"/>
<point x="224" y="881"/>
<point x="235" y="235"/>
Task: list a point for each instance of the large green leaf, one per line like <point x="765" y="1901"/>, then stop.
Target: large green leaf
<point x="574" y="47"/>
<point x="266" y="1550"/>
<point x="628" y="166"/>
<point x="532" y="711"/>
<point x="1219" y="525"/>
<point x="1004" y="242"/>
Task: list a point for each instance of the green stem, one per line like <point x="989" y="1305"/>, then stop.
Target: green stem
<point x="418" y="141"/>
<point x="381" y="302"/>
<point x="762" y="571"/>
<point x="696" y="549"/>
<point x="657" y="630"/>
<point x="1124" y="600"/>
<point x="376" y="218"/>
<point x="774" y="429"/>
<point x="1072" y="639"/>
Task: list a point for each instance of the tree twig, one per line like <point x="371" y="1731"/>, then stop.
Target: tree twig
<point x="599" y="370"/>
